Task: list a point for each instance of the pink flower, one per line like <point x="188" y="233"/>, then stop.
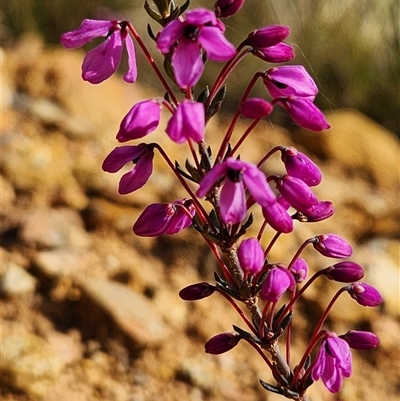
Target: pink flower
<point x="304" y="113"/>
<point x="279" y="53"/>
<point x="164" y="218"/>
<point x="277" y="217"/>
<point x="267" y="36"/>
<point x="185" y="39"/>
<point x="227" y="8"/>
<point x="318" y="212"/>
<point x="237" y="175"/>
<point x="290" y="80"/>
<point x="361" y="340"/>
<point x="221" y="343"/>
<point x="251" y="256"/>
<point x="277" y="282"/>
<point x="332" y="246"/>
<point x="333" y="362"/>
<point x="188" y="121"/>
<point x="142" y="119"/>
<point x="255" y="108"/>
<point x="102" y="61"/>
<point x="142" y="158"/>
<point x="298" y="165"/>
<point x="365" y="294"/>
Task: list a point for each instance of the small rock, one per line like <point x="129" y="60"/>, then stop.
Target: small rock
<point x="16" y="281"/>
<point x="29" y="364"/>
<point x="132" y="313"/>
<point x="54" y="228"/>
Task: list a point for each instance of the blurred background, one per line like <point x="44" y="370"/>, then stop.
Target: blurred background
<point x="351" y="47"/>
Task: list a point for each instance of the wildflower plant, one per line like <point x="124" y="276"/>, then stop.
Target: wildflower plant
<point x="223" y="190"/>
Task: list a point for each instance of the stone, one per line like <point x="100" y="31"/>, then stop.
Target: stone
<point x="132" y="313"/>
<point x="29" y="364"/>
<point x="54" y="228"/>
<point x="16" y="281"/>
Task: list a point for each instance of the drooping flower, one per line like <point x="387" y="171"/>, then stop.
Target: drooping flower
<point x="333" y="362"/>
<point x="277" y="217"/>
<point x="299" y="270"/>
<point x="142" y="158"/>
<point x="332" y="246"/>
<point x="299" y="165"/>
<point x="361" y="340"/>
<point x="289" y="80"/>
<point x="251" y="256"/>
<point x="318" y="212"/>
<point x="221" y="343"/>
<point x="164" y="218"/>
<point x="188" y="121"/>
<point x="141" y="119"/>
<point x="237" y="174"/>
<point x="365" y="294"/>
<point x="304" y="113"/>
<point x="296" y="192"/>
<point x="185" y="39"/>
<point x="102" y="61"/>
<point x="277" y="282"/>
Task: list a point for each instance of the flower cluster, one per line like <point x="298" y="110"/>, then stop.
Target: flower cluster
<point x="233" y="189"/>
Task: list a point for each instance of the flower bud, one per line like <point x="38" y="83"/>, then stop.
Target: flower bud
<point x="332" y="246"/>
<point x="345" y="272"/>
<point x="318" y="212"/>
<point x="298" y="165"/>
<point x="299" y="270"/>
<point x="222" y="343"/>
<point x="251" y="256"/>
<point x="256" y="108"/>
<point x="365" y="294"/>
<point x="361" y="339"/>
<point x="277" y="217"/>
<point x="142" y="119"/>
<point x="267" y="36"/>
<point x="279" y="53"/>
<point x="277" y="282"/>
<point x="296" y="192"/>
<point x="227" y="8"/>
<point x="196" y="291"/>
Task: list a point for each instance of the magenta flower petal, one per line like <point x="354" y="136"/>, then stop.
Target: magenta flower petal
<point x="120" y="156"/>
<point x="345" y="272"/>
<point x="196" y="291"/>
<point x="296" y="192"/>
<point x="233" y="202"/>
<point x="332" y="246"/>
<point x="299" y="270"/>
<point x="188" y="122"/>
<point x="318" y="212"/>
<point x="153" y="221"/>
<point x="227" y="8"/>
<point x="211" y="178"/>
<point x="290" y="80"/>
<point x="131" y="75"/>
<point x="142" y="119"/>
<point x="298" y="165"/>
<point x="267" y="36"/>
<point x="171" y="33"/>
<point x="361" y="340"/>
<point x="89" y="30"/>
<point x="251" y="256"/>
<point x="304" y="113"/>
<point x="277" y="217"/>
<point x="222" y="343"/>
<point x="215" y="45"/>
<point x="256" y="108"/>
<point x="365" y="294"/>
<point x="102" y="61"/>
<point x="277" y="282"/>
<point x="180" y="220"/>
<point x="139" y="175"/>
<point x="333" y="362"/>
<point x="279" y="53"/>
<point x="187" y="63"/>
<point x="201" y="16"/>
